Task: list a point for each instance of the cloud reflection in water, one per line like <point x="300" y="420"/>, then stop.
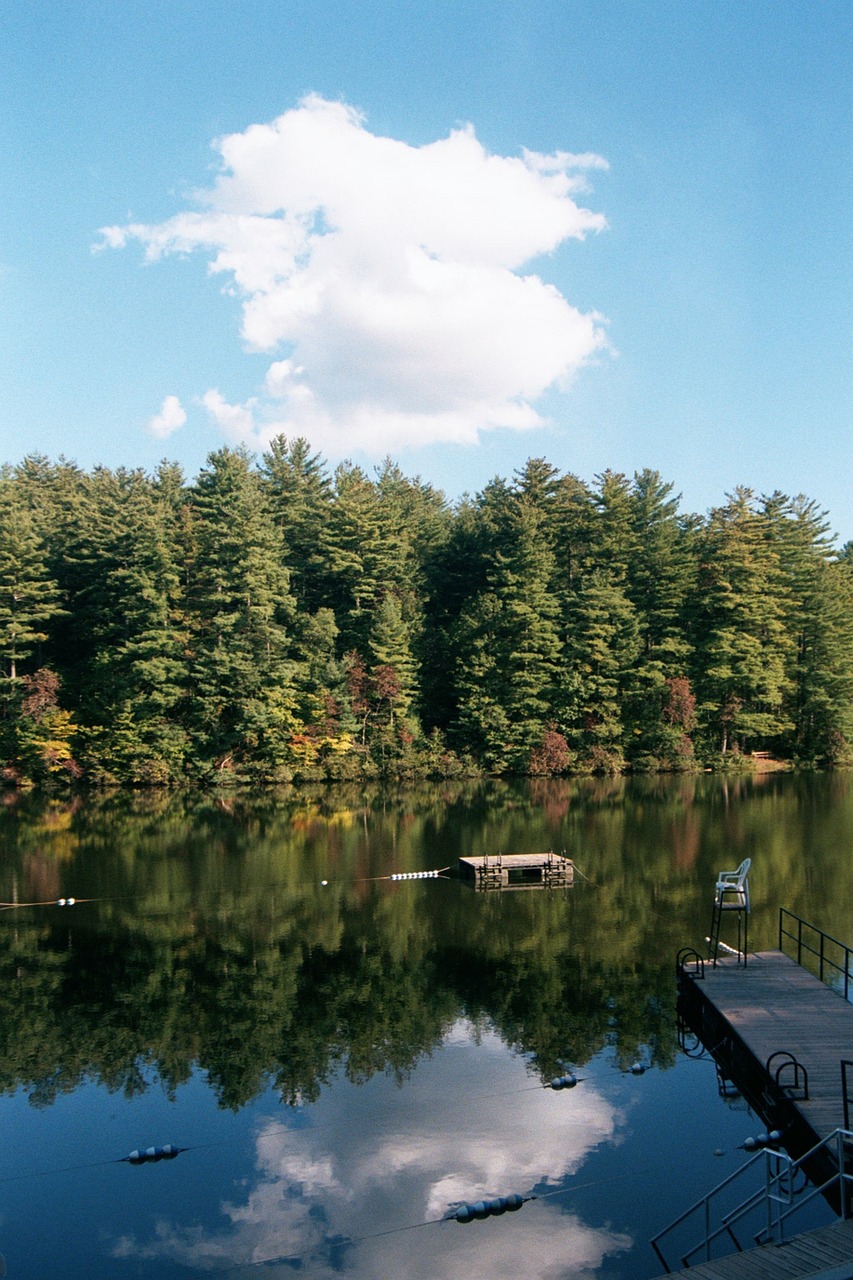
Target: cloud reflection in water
<point x="469" y="1123"/>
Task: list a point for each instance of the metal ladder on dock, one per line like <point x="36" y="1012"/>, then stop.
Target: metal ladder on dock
<point x="557" y="871"/>
<point x="781" y="1194"/>
<point x="490" y="872"/>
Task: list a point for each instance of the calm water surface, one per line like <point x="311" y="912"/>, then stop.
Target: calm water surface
<point x="344" y="1062"/>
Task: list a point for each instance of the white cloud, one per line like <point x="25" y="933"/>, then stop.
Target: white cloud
<point x="170" y="419"/>
<point x="389" y="277"/>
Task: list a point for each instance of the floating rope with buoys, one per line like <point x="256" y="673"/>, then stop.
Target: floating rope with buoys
<point x="398" y="875"/>
<point x="462" y="1212"/>
<point x="151" y="1155"/>
<point x="466" y="1212"/>
<point x="142" y="1155"/>
<point x="395" y="877"/>
<point x="48" y="902"/>
<point x="567" y="1081"/>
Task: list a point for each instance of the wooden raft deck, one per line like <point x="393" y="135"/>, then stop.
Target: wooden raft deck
<point x="518" y="870"/>
<point x="773" y="1005"/>
<point x="826" y="1253"/>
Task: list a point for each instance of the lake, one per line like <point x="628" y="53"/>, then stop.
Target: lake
<point x="342" y="1059"/>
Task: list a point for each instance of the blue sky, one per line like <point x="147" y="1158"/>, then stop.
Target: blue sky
<point x="610" y="233"/>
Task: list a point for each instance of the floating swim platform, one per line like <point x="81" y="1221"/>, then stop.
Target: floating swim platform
<point x="518" y="870"/>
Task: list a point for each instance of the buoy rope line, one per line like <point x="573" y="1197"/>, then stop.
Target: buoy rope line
<point x="50" y="902"/>
<point x="439" y="873"/>
<point x="558" y="1084"/>
<point x="568" y="1081"/>
<point x="478" y="1209"/>
<point x="142" y="1155"/>
<point x="399" y="875"/>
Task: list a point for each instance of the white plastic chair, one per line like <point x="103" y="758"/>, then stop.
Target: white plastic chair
<point x="731" y="893"/>
<point x="732" y="890"/>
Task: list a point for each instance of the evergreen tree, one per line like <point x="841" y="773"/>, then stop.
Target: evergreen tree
<point x="146" y="670"/>
<point x="300" y="495"/>
<point x="482" y="724"/>
<point x="454" y="575"/>
<point x="242" y="616"/>
<point x="390" y="647"/>
<point x="819" y="624"/>
<point x="29" y="596"/>
<point x="742" y="644"/>
<point x="360" y="556"/>
<point x="575" y="536"/>
<point x="602" y="647"/>
<point x="516" y="635"/>
<point x="327" y="725"/>
<point x="660" y="577"/>
<point x="616" y="536"/>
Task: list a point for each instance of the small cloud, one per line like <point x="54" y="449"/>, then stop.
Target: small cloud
<point x="170" y="419"/>
<point x="388" y="281"/>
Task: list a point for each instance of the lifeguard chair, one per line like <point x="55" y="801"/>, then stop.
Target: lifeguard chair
<point x="731" y="893"/>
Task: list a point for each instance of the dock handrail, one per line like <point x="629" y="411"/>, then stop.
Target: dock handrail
<point x="777" y="1193"/>
<point x="811" y="941"/>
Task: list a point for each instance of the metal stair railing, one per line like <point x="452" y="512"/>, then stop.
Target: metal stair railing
<point x="778" y="1194"/>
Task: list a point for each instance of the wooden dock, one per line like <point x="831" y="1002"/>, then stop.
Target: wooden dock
<point x="518" y="870"/>
<point x="823" y="1254"/>
<point x="747" y="1014"/>
<point x="779" y="1034"/>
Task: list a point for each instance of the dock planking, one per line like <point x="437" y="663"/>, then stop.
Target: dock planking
<point x="745" y="1014"/>
<point x="823" y="1254"/>
<point x="775" y="1005"/>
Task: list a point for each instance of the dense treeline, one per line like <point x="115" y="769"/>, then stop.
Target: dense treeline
<point x="272" y="621"/>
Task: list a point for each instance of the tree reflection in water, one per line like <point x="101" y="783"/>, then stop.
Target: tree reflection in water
<point x="214" y="951"/>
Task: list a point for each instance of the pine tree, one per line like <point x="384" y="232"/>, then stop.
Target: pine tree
<point x="742" y="644"/>
<point x="300" y="495"/>
<point x="482" y="724"/>
<point x="660" y="578"/>
<point x="515" y="635"/>
<point x="819" y="624"/>
<point x="242" y="616"/>
<point x="29" y="596"/>
<point x="602" y="647"/>
<point x="394" y="670"/>
<point x="148" y="669"/>
<point x="360" y="556"/>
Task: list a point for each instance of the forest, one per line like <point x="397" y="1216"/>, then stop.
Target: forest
<point x="276" y="621"/>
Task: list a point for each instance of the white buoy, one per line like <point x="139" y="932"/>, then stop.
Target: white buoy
<point x="152" y="1154"/>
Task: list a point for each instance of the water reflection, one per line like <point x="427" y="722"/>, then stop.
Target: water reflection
<point x="357" y="1055"/>
<point x="470" y="1125"/>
